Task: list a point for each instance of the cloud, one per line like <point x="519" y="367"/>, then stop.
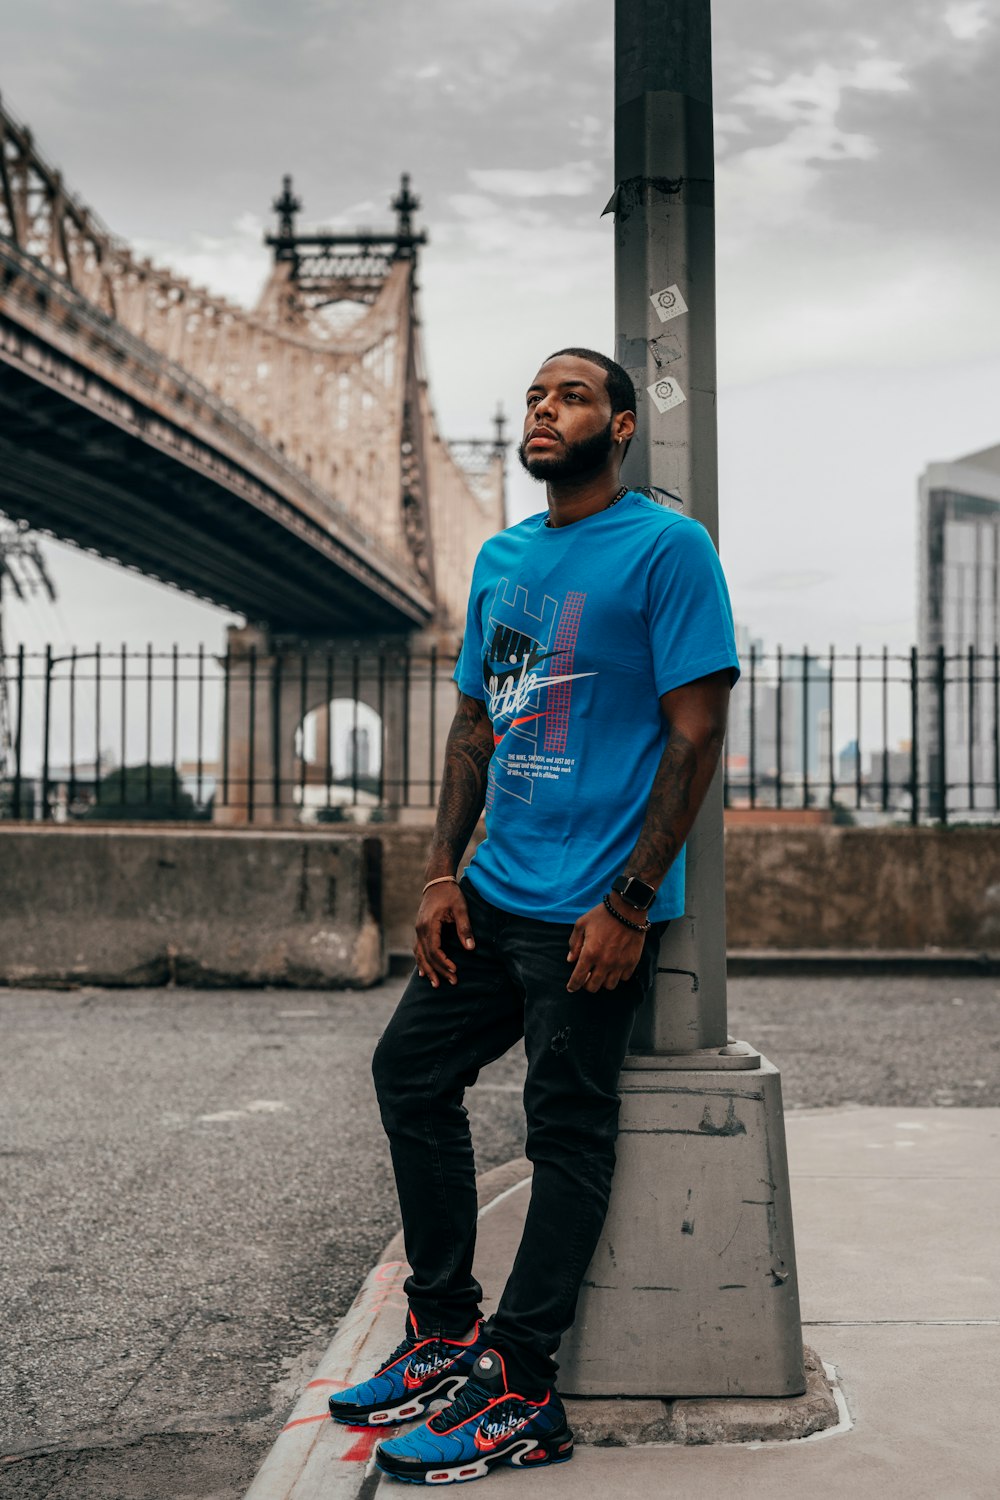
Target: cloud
<point x="234" y="265"/>
<point x="199" y="14"/>
<point x="592" y="131"/>
<point x="472" y="206"/>
<point x="728" y="123"/>
<point x="572" y="180"/>
<point x="854" y="228"/>
<point x="788" y="581"/>
<point x="770" y="184"/>
<point x="553" y="263"/>
<point x="853" y="145"/>
<point x="966" y="19"/>
<point x="934" y="147"/>
<point x="804" y="96"/>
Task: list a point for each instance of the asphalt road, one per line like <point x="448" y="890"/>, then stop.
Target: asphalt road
<point x="194" y="1183"/>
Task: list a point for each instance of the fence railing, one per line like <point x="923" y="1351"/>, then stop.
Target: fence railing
<point x="326" y="736"/>
<point x="867" y="735"/>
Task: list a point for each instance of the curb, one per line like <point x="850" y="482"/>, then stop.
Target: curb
<point x="824" y="963"/>
<point x="859" y="963"/>
<point x="312" y="1455"/>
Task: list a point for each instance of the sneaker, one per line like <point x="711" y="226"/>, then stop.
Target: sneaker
<point x="486" y="1426"/>
<point x="416" y="1374"/>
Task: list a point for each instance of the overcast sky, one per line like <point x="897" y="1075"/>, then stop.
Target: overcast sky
<point x="858" y="216"/>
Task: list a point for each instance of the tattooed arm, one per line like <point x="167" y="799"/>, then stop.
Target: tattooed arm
<point x="601" y="947"/>
<point x="696" y="714"/>
<point x="463" y="793"/>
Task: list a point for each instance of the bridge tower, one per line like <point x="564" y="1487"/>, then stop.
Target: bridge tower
<point x="326" y="287"/>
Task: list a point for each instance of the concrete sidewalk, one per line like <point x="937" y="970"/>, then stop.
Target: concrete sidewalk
<point x="897" y="1225"/>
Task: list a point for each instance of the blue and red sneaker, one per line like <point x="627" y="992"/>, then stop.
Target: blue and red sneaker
<point x="487" y="1425"/>
<point x="416" y="1374"/>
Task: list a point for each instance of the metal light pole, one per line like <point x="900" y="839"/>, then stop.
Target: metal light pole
<point x="692" y="1290"/>
<point x="664" y="207"/>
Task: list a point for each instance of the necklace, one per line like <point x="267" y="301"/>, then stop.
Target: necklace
<point x="620" y="496"/>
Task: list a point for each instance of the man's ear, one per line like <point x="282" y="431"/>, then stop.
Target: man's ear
<point x="623" y="426"/>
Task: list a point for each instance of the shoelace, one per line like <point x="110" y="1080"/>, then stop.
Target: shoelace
<point x="470" y="1399"/>
<point x="409" y="1343"/>
<point x="438" y="1350"/>
<point x="428" y="1350"/>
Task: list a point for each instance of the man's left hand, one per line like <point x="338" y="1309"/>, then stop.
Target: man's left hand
<point x="603" y="950"/>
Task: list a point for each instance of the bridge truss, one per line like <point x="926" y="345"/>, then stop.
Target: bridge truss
<point x="283" y="461"/>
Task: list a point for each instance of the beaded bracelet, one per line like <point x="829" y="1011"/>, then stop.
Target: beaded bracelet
<point x="635" y="926"/>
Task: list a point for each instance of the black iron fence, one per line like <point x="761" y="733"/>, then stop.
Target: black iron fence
<point x="303" y="734"/>
<point x="868" y="736"/>
<point x="325" y="736"/>
<point x="85" y="733"/>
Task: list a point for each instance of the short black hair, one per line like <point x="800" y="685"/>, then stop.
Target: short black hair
<point x="619" y="382"/>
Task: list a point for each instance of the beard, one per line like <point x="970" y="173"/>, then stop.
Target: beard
<point x="574" y="461"/>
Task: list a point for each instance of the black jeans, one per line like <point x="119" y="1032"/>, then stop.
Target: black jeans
<point x="512" y="984"/>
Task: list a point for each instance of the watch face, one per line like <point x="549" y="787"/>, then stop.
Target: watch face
<point x="636" y="892"/>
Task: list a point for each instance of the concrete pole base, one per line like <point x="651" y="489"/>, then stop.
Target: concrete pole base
<point x="692" y="1290"/>
<point x="695" y="1421"/>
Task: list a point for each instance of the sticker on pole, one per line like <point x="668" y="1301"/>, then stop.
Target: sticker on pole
<point x="669" y="303"/>
<point x="666" y="393"/>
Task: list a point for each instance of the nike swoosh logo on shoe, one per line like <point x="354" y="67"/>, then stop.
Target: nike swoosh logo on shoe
<point x="488" y="1444"/>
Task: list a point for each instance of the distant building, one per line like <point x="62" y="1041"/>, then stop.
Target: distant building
<point x="805" y="717"/>
<point x="738" y="729"/>
<point x="888" y="780"/>
<point x="779" y="726"/>
<point x="358" y="749"/>
<point x="848" y="764"/>
<point x="959" y="609"/>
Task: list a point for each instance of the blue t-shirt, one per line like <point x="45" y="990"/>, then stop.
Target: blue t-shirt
<point x="573" y="633"/>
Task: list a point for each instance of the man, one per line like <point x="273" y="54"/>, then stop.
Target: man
<point x="594" y="681"/>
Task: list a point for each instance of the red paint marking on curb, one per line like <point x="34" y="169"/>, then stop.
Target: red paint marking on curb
<point x="361" y="1450"/>
<point x="314" y="1385"/>
<point x="387" y="1270"/>
<point x="324" y="1416"/>
<point x="388" y="1298"/>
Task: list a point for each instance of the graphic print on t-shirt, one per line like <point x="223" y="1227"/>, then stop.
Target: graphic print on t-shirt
<point x="528" y="675"/>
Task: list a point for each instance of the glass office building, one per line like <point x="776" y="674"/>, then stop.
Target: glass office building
<point x="959" y="631"/>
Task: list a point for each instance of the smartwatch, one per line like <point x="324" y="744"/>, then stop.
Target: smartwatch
<point x="636" y="892"/>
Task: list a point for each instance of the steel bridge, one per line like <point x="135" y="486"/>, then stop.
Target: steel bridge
<point x="283" y="463"/>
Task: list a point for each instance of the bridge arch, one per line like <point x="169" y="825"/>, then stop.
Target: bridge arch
<point x="278" y="703"/>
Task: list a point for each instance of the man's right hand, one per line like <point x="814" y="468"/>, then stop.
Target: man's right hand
<point x="442" y="904"/>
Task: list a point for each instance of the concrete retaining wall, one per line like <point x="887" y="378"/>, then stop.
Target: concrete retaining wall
<point x="134" y="906"/>
<point x="404" y="852"/>
<point x="851" y="888"/>
<point x="810" y="887"/>
<point x="793" y="888"/>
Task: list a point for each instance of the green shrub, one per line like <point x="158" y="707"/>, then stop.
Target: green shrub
<point x="142" y="794"/>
